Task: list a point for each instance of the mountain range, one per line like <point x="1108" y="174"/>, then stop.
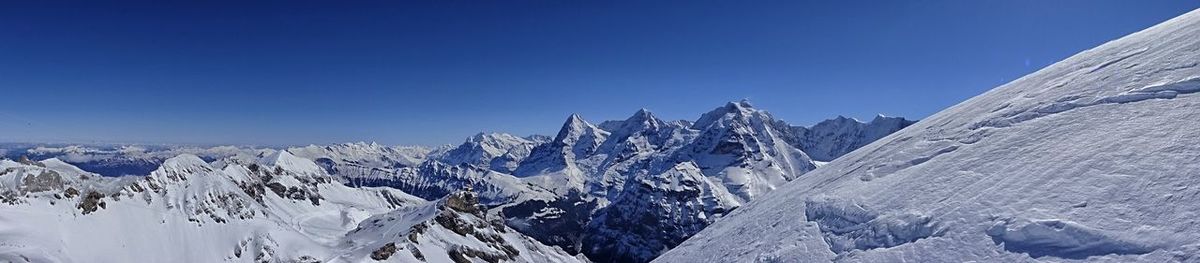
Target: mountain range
<point x="617" y="191"/>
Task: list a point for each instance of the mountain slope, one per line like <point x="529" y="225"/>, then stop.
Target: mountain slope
<point x="452" y="229"/>
<point x="654" y="213"/>
<point x="1092" y="158"/>
<point x="746" y="148"/>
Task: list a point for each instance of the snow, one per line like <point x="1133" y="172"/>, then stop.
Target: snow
<point x="501" y="152"/>
<point x="1092" y="158"/>
<point x="440" y="230"/>
<point x="1066" y="239"/>
<point x="288" y="162"/>
<point x="121" y="160"/>
<point x="189" y="211"/>
<point x="364" y="154"/>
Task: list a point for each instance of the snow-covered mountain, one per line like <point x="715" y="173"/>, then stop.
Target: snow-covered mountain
<point x="433" y="179"/>
<point x="641" y="185"/>
<point x="563" y="162"/>
<point x="1093" y="158"/>
<point x="746" y="149"/>
<point x="621" y="191"/>
<point x="279" y="208"/>
<point x="456" y="226"/>
<point x="361" y="157"/>
<point x="499" y="152"/>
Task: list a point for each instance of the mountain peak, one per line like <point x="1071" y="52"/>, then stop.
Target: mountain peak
<point x="745" y="103"/>
<point x="641" y="116"/>
<point x="575" y="126"/>
<point x="642" y="112"/>
<point x="575" y="118"/>
<point x="735" y="108"/>
<point x="741" y="105"/>
<point x="576" y="139"/>
<point x="178" y="168"/>
<point x="880" y="118"/>
<point x="286" y="161"/>
<point x="841" y="118"/>
<point x="483" y="137"/>
<point x="184" y="161"/>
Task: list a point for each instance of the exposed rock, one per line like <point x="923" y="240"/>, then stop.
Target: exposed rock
<point x="45" y="181"/>
<point x="385" y="252"/>
<point x="91" y="202"/>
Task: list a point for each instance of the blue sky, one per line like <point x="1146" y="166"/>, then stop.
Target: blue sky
<point x="434" y="72"/>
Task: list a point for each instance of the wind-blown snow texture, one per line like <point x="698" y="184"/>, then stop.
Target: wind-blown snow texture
<point x="1093" y="158"/>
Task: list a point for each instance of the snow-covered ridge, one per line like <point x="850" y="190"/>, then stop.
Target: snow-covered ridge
<point x="454" y="228"/>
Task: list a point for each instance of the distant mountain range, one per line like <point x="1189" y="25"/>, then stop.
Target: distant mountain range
<point x="617" y="191"/>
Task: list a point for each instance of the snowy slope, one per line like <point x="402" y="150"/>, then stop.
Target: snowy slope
<point x="1093" y="158"/>
<point x="452" y="229"/>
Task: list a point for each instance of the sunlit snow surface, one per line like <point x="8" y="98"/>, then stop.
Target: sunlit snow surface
<point x="1094" y="158"/>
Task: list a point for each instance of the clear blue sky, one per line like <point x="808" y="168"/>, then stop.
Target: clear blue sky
<point x="434" y="72"/>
